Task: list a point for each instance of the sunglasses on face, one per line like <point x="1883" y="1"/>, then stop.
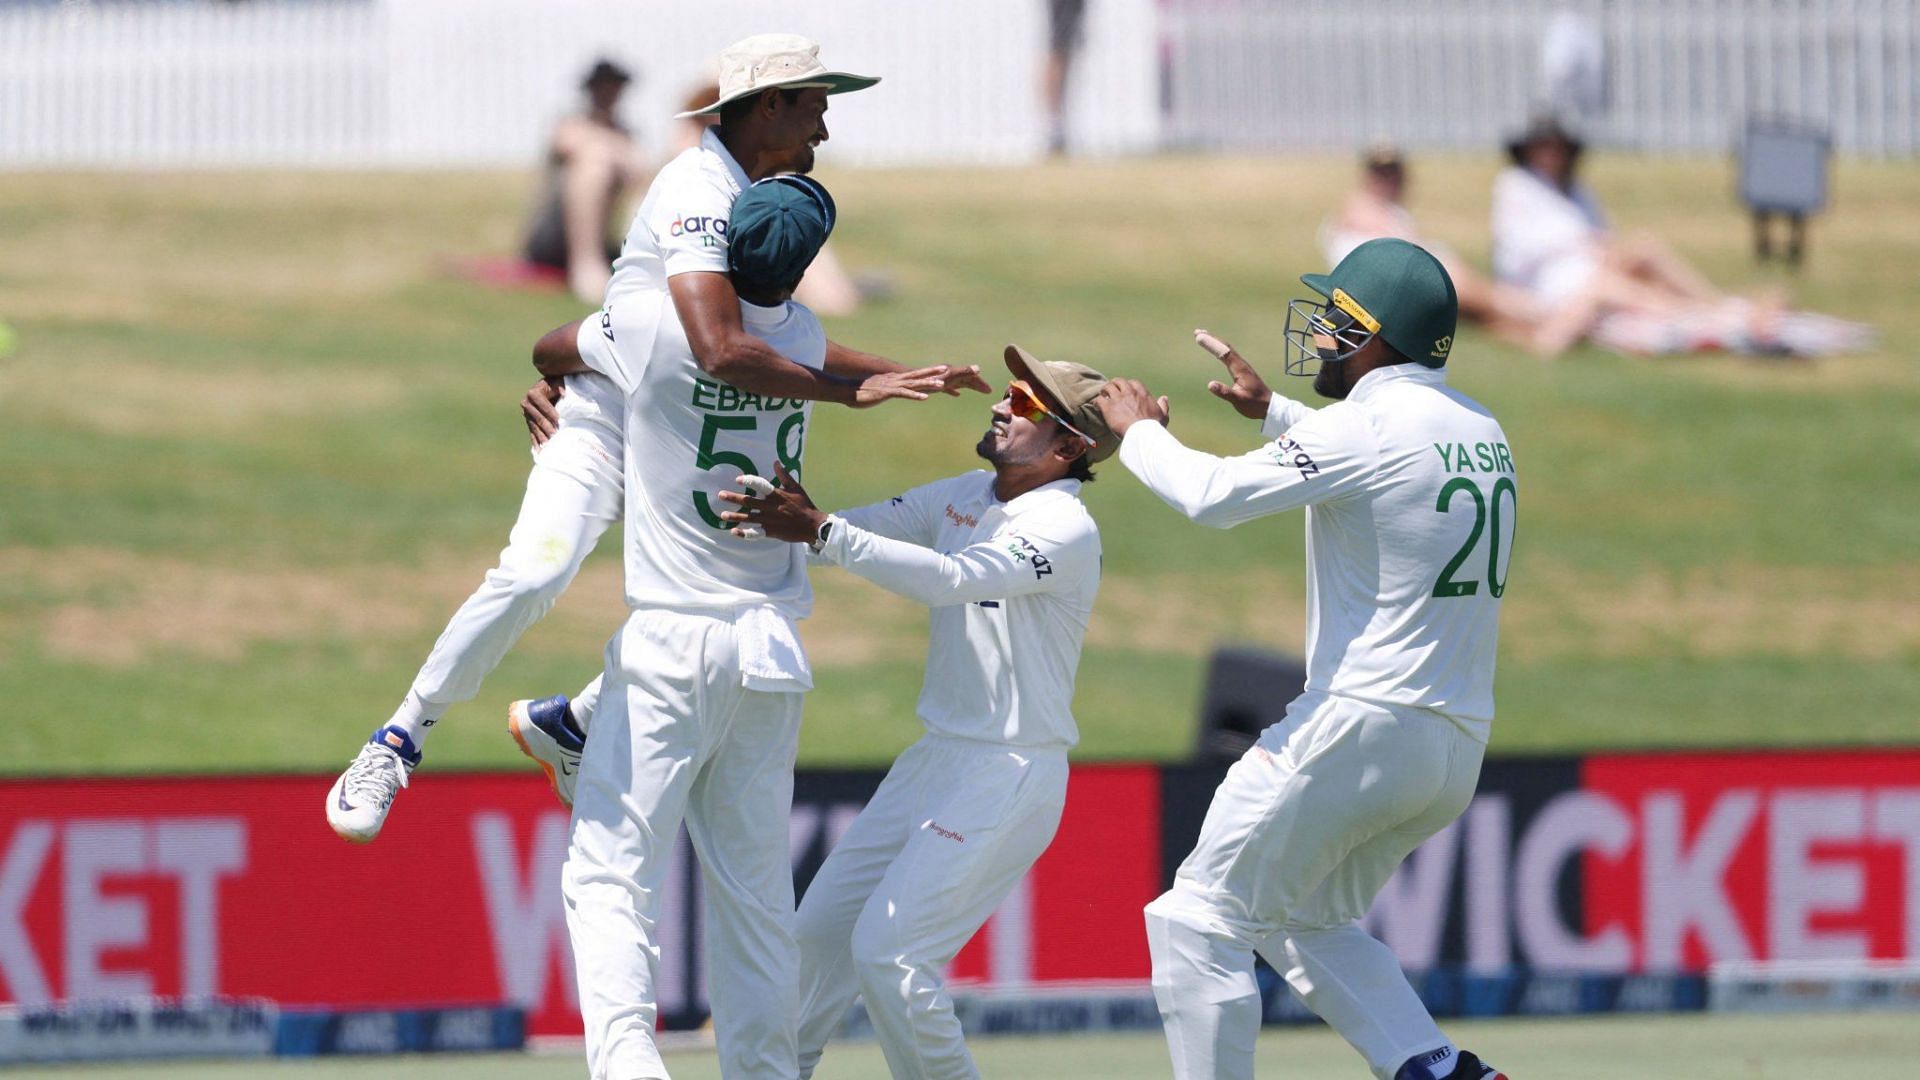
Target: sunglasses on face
<point x="1024" y="403"/>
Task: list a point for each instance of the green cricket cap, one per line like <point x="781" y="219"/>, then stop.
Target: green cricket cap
<point x="777" y="227"/>
<point x="1398" y="291"/>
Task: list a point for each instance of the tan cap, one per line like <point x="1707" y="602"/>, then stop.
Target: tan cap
<point x="765" y="61"/>
<point x="1076" y="388"/>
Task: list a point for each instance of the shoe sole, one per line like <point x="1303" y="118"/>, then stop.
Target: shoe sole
<point x="516" y="717"/>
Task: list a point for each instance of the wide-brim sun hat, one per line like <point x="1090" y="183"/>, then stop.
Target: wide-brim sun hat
<point x="770" y="61"/>
<point x="1541" y="129"/>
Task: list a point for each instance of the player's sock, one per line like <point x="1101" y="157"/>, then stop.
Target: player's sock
<point x="584" y="705"/>
<point x="416" y="716"/>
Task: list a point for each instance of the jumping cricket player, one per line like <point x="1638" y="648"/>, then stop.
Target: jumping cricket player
<point x="771" y="119"/>
<point x="1409" y="489"/>
<point x="1008" y="561"/>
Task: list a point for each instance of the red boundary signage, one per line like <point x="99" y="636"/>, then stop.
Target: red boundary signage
<point x="1609" y="865"/>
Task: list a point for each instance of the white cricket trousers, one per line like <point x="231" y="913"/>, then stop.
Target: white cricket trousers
<point x="573" y="494"/>
<point x="678" y="737"/>
<point x="1301" y="835"/>
<point x="946" y="837"/>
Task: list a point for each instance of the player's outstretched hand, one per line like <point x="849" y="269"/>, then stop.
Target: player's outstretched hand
<point x="538" y="411"/>
<point x="912" y="385"/>
<point x="964" y="378"/>
<point x="1127" y="401"/>
<point x="780" y="513"/>
<point x="1248" y="392"/>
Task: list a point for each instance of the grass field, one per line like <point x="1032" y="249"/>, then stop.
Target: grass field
<point x="255" y="446"/>
<point x="1881" y="1047"/>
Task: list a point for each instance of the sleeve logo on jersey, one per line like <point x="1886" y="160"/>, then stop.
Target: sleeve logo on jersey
<point x="606" y="323"/>
<point x="712" y="231"/>
<point x="900" y="499"/>
<point x="1287" y="452"/>
<point x="1023" y="550"/>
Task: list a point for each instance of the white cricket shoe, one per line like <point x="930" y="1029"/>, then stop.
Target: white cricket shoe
<point x="358" y="804"/>
<point x="543" y="734"/>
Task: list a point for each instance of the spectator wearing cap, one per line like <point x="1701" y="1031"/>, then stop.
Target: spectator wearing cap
<point x="591" y="159"/>
<point x="1551" y="240"/>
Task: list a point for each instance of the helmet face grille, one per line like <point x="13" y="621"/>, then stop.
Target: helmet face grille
<point x="1319" y="333"/>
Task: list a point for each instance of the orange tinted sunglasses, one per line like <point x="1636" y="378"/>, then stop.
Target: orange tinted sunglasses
<point x="1024" y="403"/>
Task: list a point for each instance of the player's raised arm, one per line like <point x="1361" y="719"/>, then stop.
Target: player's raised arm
<point x="1247" y="392"/>
<point x="853" y="363"/>
<point x="1313" y="463"/>
<point x="709" y="308"/>
<point x="1038" y="559"/>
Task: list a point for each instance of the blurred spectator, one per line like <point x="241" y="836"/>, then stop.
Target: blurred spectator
<point x="591" y="159"/>
<point x="1065" y="19"/>
<point x="1377" y="208"/>
<point x="1635" y="293"/>
<point x="1573" y="67"/>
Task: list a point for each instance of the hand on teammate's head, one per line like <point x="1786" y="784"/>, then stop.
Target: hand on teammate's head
<point x="1127" y="401"/>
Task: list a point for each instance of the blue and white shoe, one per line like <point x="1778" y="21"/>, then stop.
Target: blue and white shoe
<point x="544" y="733"/>
<point x="358" y="804"/>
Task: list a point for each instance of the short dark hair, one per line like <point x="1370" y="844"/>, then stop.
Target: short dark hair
<point x="1082" y="470"/>
<point x="1394" y="356"/>
<point x="736" y="110"/>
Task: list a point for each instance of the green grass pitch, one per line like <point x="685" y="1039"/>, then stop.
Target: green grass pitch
<point x="255" y="446"/>
<point x="1696" y="1047"/>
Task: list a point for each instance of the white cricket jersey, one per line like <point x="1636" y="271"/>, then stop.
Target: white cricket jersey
<point x="1011" y="585"/>
<point x="1410" y="494"/>
<point x="688" y="436"/>
<point x="681" y="226"/>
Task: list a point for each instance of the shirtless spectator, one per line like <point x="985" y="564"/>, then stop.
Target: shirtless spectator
<point x="591" y="159"/>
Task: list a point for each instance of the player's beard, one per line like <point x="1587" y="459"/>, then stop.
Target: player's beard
<point x="1331" y="380"/>
<point x="1000" y="451"/>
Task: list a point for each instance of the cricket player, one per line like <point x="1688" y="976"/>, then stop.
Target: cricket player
<point x="772" y="111"/>
<point x="1409" y="489"/>
<point x="1009" y="561"/>
<point x="699" y="712"/>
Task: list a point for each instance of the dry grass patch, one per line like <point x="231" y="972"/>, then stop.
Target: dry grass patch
<point x="151" y="398"/>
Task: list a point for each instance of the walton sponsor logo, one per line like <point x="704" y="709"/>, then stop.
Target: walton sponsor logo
<point x="1442" y="346"/>
<point x="959" y="518"/>
<point x="946" y="833"/>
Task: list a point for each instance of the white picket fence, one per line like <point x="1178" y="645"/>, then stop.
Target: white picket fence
<point x="408" y="83"/>
<point x="1682" y="75"/>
